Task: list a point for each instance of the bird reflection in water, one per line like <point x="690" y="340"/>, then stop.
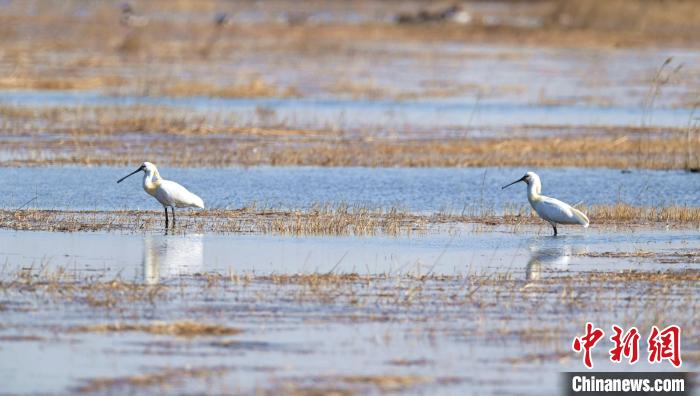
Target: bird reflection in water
<point x="166" y="257"/>
<point x="547" y="258"/>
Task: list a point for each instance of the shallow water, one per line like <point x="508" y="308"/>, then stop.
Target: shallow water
<point x="356" y="114"/>
<point x="288" y="338"/>
<point x="530" y="252"/>
<point x="309" y="342"/>
<point x="473" y="86"/>
<point x="413" y="189"/>
<point x="299" y="352"/>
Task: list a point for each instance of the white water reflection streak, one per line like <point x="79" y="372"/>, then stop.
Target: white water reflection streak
<point x="165" y="257"/>
<point x="153" y="258"/>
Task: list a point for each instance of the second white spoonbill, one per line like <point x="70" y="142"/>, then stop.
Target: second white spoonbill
<point x="549" y="209"/>
<point x="168" y="193"/>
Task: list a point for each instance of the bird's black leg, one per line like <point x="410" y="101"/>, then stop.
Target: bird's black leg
<point x="173" y="209"/>
<point x="555" y="229"/>
<point x="166" y="217"/>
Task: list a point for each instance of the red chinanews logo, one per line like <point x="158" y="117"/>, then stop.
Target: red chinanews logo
<point x="662" y="344"/>
<point x="627" y="346"/>
<point x="665" y="345"/>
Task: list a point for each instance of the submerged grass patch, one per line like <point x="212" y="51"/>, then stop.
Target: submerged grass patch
<point x="62" y="83"/>
<point x="254" y="88"/>
<point x="328" y="220"/>
<point x="366" y="297"/>
<point x="385" y="383"/>
<point x="195" y="141"/>
<point x="536" y="318"/>
<point x="166" y="378"/>
<point x="183" y="328"/>
<point x="325" y="220"/>
<point x="510" y="307"/>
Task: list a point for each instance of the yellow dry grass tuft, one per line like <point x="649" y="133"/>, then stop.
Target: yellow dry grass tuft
<point x="644" y="18"/>
<point x="323" y="220"/>
<point x="328" y="220"/>
<point x="385" y="383"/>
<point x="59" y="83"/>
<point x="624" y="213"/>
<point x="185" y="328"/>
<point x="617" y="214"/>
<point x="161" y="377"/>
<point x="102" y="135"/>
<point x="256" y="87"/>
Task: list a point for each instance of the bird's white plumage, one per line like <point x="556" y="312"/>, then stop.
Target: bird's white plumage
<point x="169" y="193"/>
<point x="554" y="210"/>
<point x="550" y="209"/>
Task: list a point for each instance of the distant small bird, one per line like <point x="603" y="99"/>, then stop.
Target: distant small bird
<point x="168" y="193"/>
<point x="129" y="18"/>
<point x="552" y="210"/>
<point x="454" y="13"/>
<point x="220" y="19"/>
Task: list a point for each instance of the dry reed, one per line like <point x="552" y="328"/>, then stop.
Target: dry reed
<point x="230" y="146"/>
<point x="423" y="308"/>
<point x="327" y="220"/>
<point x="183" y="328"/>
<point x="163" y="377"/>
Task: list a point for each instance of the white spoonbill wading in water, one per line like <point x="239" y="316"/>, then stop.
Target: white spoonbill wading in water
<point x="552" y="210"/>
<point x="168" y="193"/>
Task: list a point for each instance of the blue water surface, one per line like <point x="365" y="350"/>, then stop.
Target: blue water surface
<point x="414" y="189"/>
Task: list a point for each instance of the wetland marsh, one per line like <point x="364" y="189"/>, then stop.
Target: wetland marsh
<point x="363" y="314"/>
<point x="356" y="239"/>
